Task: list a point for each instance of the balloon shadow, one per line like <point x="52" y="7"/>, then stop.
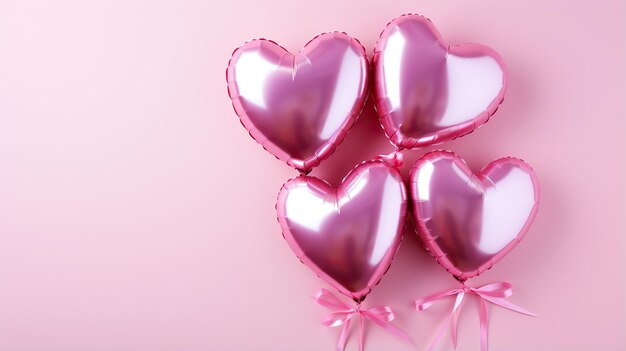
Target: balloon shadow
<point x="365" y="141"/>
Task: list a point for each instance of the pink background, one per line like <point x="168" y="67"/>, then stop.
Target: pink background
<point x="137" y="214"/>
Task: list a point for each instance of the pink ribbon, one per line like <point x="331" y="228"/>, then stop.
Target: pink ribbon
<point x="494" y="293"/>
<point x="343" y="314"/>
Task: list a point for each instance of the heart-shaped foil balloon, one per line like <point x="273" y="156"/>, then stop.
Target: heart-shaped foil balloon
<point x="470" y="221"/>
<point x="299" y="107"/>
<point x="347" y="235"/>
<point x="427" y="92"/>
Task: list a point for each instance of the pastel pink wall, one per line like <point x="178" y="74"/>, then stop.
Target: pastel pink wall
<point x="137" y="214"/>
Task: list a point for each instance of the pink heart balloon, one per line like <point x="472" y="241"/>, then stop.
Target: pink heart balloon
<point x="299" y="107"/>
<point x="470" y="221"/>
<point x="427" y="92"/>
<point x="347" y="235"/>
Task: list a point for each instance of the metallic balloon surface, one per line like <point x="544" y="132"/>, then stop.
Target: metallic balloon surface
<point x="347" y="235"/>
<point x="299" y="107"/>
<point x="470" y="221"/>
<point x="427" y="92"/>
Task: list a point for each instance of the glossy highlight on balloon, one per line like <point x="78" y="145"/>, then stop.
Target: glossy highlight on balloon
<point x="299" y="107"/>
<point x="347" y="235"/>
<point x="469" y="221"/>
<point x="427" y="92"/>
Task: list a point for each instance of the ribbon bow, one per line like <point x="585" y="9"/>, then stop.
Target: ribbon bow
<point x="494" y="293"/>
<point x="343" y="314"/>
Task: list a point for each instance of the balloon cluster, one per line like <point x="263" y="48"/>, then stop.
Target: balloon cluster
<point x="300" y="108"/>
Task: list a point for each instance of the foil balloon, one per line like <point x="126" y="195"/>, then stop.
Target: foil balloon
<point x="299" y="107"/>
<point x="427" y="92"/>
<point x="470" y="221"/>
<point x="347" y="235"/>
